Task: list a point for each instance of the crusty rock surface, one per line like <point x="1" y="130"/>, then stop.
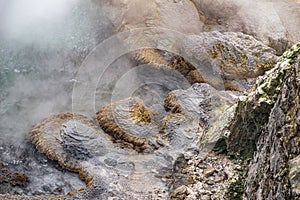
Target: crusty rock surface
<point x="114" y="169"/>
<point x="130" y="123"/>
<point x="180" y="169"/>
<point x="225" y="60"/>
<point x="40" y="175"/>
<point x="200" y="102"/>
<point x="139" y="155"/>
<point x="273" y="22"/>
<point x="109" y="170"/>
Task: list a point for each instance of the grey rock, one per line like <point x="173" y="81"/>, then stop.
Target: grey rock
<point x="224" y="60"/>
<point x="268" y="176"/>
<point x="294" y="175"/>
<point x="201" y="102"/>
<point x="273" y="22"/>
<point x="229" y="60"/>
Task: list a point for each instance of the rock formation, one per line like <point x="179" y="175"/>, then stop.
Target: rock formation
<point x="273" y="22"/>
<point x="130" y="123"/>
<point x="133" y="154"/>
<point x="264" y="129"/>
<point x="224" y="60"/>
<point x="268" y="21"/>
<point x="135" y="157"/>
<point x="274" y="169"/>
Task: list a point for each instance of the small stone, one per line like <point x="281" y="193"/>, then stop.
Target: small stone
<point x="209" y="171"/>
<point x="180" y="190"/>
<point x="210" y="182"/>
<point x="159" y="142"/>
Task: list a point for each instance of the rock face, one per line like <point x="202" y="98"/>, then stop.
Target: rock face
<point x="294" y="176"/>
<point x="224" y="60"/>
<point x="273" y="22"/>
<point x="253" y="111"/>
<point x="267" y="122"/>
<point x="274" y="170"/>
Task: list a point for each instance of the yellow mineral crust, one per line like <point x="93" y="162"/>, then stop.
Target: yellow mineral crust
<point x="129" y="122"/>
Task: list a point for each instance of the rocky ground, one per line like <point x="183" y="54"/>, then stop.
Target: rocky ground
<point x="26" y="171"/>
<point x="261" y="143"/>
<point x="231" y="131"/>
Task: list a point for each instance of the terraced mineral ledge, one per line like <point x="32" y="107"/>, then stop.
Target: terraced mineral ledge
<point x="130" y="123"/>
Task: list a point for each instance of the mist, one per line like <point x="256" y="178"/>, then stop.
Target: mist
<point x="42" y="45"/>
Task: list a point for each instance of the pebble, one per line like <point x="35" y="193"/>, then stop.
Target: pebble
<point x="180" y="190"/>
<point x="212" y="177"/>
<point x="209" y="171"/>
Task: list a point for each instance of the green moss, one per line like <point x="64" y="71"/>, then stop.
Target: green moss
<point x="269" y="86"/>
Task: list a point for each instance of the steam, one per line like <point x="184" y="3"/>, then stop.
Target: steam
<point x="34" y="21"/>
<point x="42" y="45"/>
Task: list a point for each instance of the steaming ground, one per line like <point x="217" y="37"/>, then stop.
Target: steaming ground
<point x="42" y="45"/>
<point x="41" y="50"/>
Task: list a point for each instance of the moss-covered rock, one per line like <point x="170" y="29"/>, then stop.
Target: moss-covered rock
<point x="253" y="111"/>
<point x="263" y="130"/>
<point x="272" y="171"/>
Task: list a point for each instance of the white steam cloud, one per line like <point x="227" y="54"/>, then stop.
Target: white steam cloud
<point x="34" y="20"/>
<point x="42" y="45"/>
